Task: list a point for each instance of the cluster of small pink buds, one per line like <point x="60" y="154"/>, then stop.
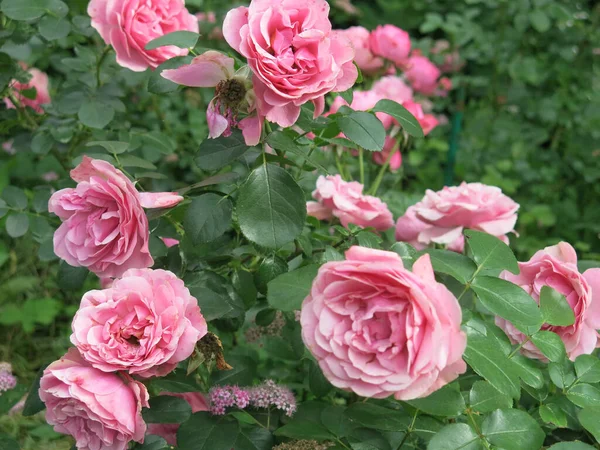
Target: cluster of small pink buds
<point x="270" y="394"/>
<point x="7" y="379"/>
<point x="223" y="397"/>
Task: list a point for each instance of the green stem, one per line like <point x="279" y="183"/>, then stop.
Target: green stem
<point x="23" y="109"/>
<point x="339" y="165"/>
<point x="514" y="352"/>
<point x="409" y="430"/>
<point x="383" y="170"/>
<point x="477" y="430"/>
<point x="361" y="165"/>
<point x="99" y="63"/>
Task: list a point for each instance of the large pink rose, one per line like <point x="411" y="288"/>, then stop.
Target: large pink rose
<point x="345" y="200"/>
<point x="294" y="55"/>
<point x="391" y="43"/>
<point x="128" y="25"/>
<point x="393" y="88"/>
<point x="39" y="81"/>
<point x="145" y="323"/>
<point x="104" y="225"/>
<point x="168" y="431"/>
<point x="556" y="267"/>
<point x="102" y="411"/>
<point x="364" y="57"/>
<point x="427" y="121"/>
<point x="446" y="213"/>
<point x="422" y="74"/>
<point x="378" y="329"/>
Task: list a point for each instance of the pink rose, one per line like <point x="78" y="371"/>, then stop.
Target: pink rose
<point x="447" y="212"/>
<point x="102" y="411"/>
<point x="556" y="267"/>
<point x="364" y="58"/>
<point x="39" y="81"/>
<point x="427" y="121"/>
<point x="393" y="88"/>
<point x="378" y="329"/>
<point x="422" y="74"/>
<point x="337" y="198"/>
<point x="104" y="225"/>
<point x="145" y="324"/>
<point x="128" y="25"/>
<point x="294" y="55"/>
<point x="382" y="156"/>
<point x="392" y="43"/>
<point x="168" y="431"/>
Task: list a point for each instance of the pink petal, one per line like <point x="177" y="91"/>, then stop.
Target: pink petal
<point x="159" y="199"/>
<point x="206" y="70"/>
<point x="233" y="23"/>
<point x="592" y="276"/>
<point x="251" y="129"/>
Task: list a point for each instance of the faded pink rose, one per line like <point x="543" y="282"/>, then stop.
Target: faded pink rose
<point x="102" y="411"/>
<point x="393" y="88"/>
<point x="382" y="156"/>
<point x="168" y="431"/>
<point x="104" y="224"/>
<point x="446" y="213"/>
<point x="391" y="42"/>
<point x="128" y="25"/>
<point x="293" y="53"/>
<point x="427" y="121"/>
<point x="422" y="74"/>
<point x="145" y="323"/>
<point x="556" y="266"/>
<point x="378" y="329"/>
<point x="345" y="200"/>
<point x="364" y="58"/>
<point x="39" y="81"/>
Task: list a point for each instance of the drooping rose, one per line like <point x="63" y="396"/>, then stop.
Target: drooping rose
<point x="393" y="88"/>
<point x="422" y="74"/>
<point x="39" y="82"/>
<point x="168" y="431"/>
<point x="145" y="324"/>
<point x="391" y="42"/>
<point x="556" y="266"/>
<point x="102" y="411"/>
<point x="382" y="156"/>
<point x="345" y="200"/>
<point x="366" y="61"/>
<point x="427" y="121"/>
<point x="293" y="53"/>
<point x="446" y="213"/>
<point x="104" y="225"/>
<point x="128" y="25"/>
<point x="378" y="329"/>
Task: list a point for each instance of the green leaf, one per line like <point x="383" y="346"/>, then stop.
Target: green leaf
<point x="181" y="39"/>
<point x="406" y="252"/>
<point x="270" y="268"/>
<point x="24" y="9"/>
<point x="95" y="114"/>
<point x="271" y="208"/>
<point x="42" y="143"/>
<point x="584" y="395"/>
<point x="203" y="431"/>
<point x="15" y="197"/>
<point x="447" y="402"/>
<point x="71" y="278"/>
<point x="254" y="439"/>
<point x="213" y="296"/>
<point x="17" y="224"/>
<point x="116" y="147"/>
<point x="153" y="442"/>
<point x="551" y="413"/>
<point x="159" y="141"/>
<point x="513" y="429"/>
<point x="167" y="409"/>
<point x="528" y="371"/>
<point x="485" y="398"/>
<point x="282" y="141"/>
<point x="134" y="161"/>
<point x="364" y="129"/>
<point x="508" y="301"/>
<point x="243" y="283"/>
<point x="160" y="85"/>
<point x="587" y="368"/>
<point x="454" y="264"/>
<point x="555" y="308"/>
<point x="11" y="397"/>
<point x="336" y="421"/>
<point x="265" y="317"/>
<point x="304" y="429"/>
<point x="216" y="153"/>
<point x="490" y="254"/>
<point x="550" y="344"/>
<point x="539" y="20"/>
<point x="590" y="420"/>
<point x="456" y="436"/>
<point x="407" y="121"/>
<point x="562" y="373"/>
<point x="8" y="443"/>
<point x="366" y="439"/>
<point x="207" y="218"/>
<point x="52" y="28"/>
<point x="242" y="374"/>
<point x="288" y="291"/>
<point x="33" y="403"/>
<point x="574" y="445"/>
<point x="374" y="416"/>
<point x="317" y="383"/>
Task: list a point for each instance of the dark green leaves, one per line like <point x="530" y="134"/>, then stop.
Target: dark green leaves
<point x="590" y="420"/>
<point x="485" y="398"/>
<point x="454" y="264"/>
<point x="282" y="141"/>
<point x="457" y="436"/>
<point x="17" y="225"/>
<point x="287" y="291"/>
<point x="181" y="39"/>
<point x="206" y="432"/>
<point x="584" y="395"/>
<point x="550" y="344"/>
<point x="555" y="308"/>
<point x="95" y="114"/>
<point x="374" y="416"/>
<point x="25" y="9"/>
<point x="53" y="28"/>
<point x="116" y="147"/>
<point x="490" y="254"/>
<point x="364" y="129"/>
<point x="167" y="409"/>
<point x="216" y="153"/>
<point x="513" y="429"/>
<point x="271" y="208"/>
<point x="207" y="218"/>
<point x="8" y="443"/>
<point x="587" y="368"/>
<point x="33" y="403"/>
<point x="447" y="402"/>
<point x="402" y="115"/>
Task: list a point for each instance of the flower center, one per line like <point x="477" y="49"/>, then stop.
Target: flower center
<point x="230" y="92"/>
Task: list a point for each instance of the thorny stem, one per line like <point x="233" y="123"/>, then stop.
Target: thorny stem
<point x="99" y="63"/>
<point x="476" y="428"/>
<point x="409" y="430"/>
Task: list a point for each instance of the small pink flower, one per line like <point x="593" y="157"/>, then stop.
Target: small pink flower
<point x="128" y="25"/>
<point x="382" y="156"/>
<point x="168" y="431"/>
<point x="366" y="61"/>
<point x="145" y="324"/>
<point x="393" y="88"/>
<point x="556" y="267"/>
<point x="50" y="176"/>
<point x="345" y="200"/>
<point x="39" y="81"/>
<point x="223" y="397"/>
<point x="378" y="329"/>
<point x="422" y="74"/>
<point x="427" y="121"/>
<point x="170" y="242"/>
<point x="269" y="394"/>
<point x="391" y="42"/>
<point x="100" y="410"/>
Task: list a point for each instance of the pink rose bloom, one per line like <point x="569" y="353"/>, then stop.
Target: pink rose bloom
<point x="102" y="411"/>
<point x="427" y="121"/>
<point x="294" y="55"/>
<point x="382" y="156"/>
<point x="446" y="213"/>
<point x="104" y="224"/>
<point x="338" y="198"/>
<point x="128" y="25"/>
<point x="168" y="431"/>
<point x="422" y="74"/>
<point x="556" y="266"/>
<point x="392" y="43"/>
<point x="393" y="88"/>
<point x="364" y="58"/>
<point x="39" y="81"/>
<point x="145" y="324"/>
<point x="378" y="329"/>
